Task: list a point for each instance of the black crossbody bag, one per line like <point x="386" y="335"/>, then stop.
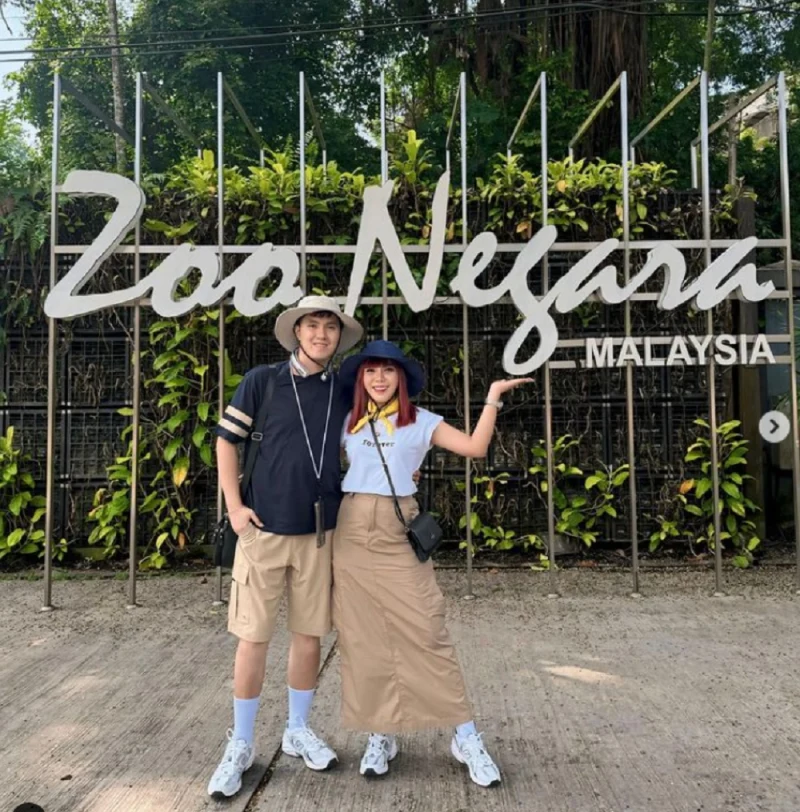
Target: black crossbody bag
<point x="225" y="536"/>
<point x="423" y="532"/>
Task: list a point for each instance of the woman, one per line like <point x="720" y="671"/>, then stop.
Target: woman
<point x="399" y="669"/>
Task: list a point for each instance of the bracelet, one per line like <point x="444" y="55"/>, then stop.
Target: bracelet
<point x="498" y="404"/>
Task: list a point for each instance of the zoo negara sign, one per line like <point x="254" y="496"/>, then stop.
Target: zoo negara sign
<point x="591" y="276"/>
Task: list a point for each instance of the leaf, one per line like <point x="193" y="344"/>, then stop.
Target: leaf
<point x="199" y="436"/>
<point x="15" y="537"/>
<point x="695" y="510"/>
<point x="736" y="458"/>
<point x="177" y="419"/>
<point x="753" y="543"/>
<point x="741" y="561"/>
<point x="703" y="487"/>
<point x="207" y="455"/>
<point x="172" y="449"/>
<point x="593" y="480"/>
<point x="731" y="490"/>
<point x="180" y="471"/>
<point x="15" y="505"/>
<point x="737" y="508"/>
<point x="686" y="486"/>
<point x="202" y="410"/>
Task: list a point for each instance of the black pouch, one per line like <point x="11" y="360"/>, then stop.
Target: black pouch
<point x="423" y="532"/>
<point x="224" y="540"/>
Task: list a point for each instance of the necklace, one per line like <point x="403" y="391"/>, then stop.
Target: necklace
<point x="318" y="505"/>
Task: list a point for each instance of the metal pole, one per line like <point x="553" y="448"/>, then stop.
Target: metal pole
<point x="591" y="118"/>
<point x="324" y="163"/>
<point x="733" y="143"/>
<point x="133" y="528"/>
<point x="666" y="111"/>
<point x="220" y="247"/>
<point x="465" y="322"/>
<point x="695" y="182"/>
<point x="303" y="259"/>
<point x="712" y="387"/>
<point x="710" y="26"/>
<point x="548" y="391"/>
<point x="524" y="114"/>
<point x="633" y="156"/>
<point x="384" y="178"/>
<point x="52" y="328"/>
<point x="787" y="236"/>
<point x="629" y="370"/>
<point x="734" y="109"/>
<point x="261" y="161"/>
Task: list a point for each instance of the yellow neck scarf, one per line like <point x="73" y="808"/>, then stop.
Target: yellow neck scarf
<point x="374" y="413"/>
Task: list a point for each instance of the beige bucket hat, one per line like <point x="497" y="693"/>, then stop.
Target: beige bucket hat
<point x="284" y="324"/>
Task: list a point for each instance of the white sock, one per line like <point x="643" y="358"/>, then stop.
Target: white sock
<point x="244" y="718"/>
<point x="299" y="708"/>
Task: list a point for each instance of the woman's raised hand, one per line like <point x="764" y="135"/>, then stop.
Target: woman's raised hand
<point x="499" y="388"/>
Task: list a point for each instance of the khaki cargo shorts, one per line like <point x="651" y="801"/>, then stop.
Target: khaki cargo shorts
<point x="264" y="564"/>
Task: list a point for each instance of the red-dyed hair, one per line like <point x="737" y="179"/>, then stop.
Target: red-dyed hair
<point x="407" y="413"/>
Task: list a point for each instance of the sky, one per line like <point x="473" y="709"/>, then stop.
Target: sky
<point x="7" y="89"/>
<point x="6" y="68"/>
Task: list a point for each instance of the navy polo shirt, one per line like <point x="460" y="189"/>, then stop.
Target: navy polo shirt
<point x="283" y="487"/>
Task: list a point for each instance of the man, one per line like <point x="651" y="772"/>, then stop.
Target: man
<point x="284" y="537"/>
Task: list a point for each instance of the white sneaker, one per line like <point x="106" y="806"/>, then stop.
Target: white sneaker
<point x="380" y="751"/>
<point x="227" y="779"/>
<point x="470" y="751"/>
<point x="303" y="742"/>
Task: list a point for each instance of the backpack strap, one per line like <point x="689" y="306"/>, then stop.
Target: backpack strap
<point x="257" y="434"/>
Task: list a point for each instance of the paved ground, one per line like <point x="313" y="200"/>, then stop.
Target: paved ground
<point x="593" y="701"/>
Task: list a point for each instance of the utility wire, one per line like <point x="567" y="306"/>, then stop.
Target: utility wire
<point x="288" y="27"/>
<point x="524" y="15"/>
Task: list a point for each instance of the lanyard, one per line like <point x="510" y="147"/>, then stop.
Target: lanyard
<point x="317" y="467"/>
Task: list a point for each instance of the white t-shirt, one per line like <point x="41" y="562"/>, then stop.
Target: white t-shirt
<point x="404" y="450"/>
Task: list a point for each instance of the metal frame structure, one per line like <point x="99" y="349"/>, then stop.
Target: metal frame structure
<point x="620" y="86"/>
<point x="384" y="179"/>
<point x="668" y="108"/>
<point x="729" y="116"/>
<point x="785" y="244"/>
<point x="707" y="244"/>
<point x="540" y="90"/>
<point x="62" y="84"/>
<point x="461" y="101"/>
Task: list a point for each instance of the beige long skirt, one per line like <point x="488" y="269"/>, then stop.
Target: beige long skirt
<point x="399" y="667"/>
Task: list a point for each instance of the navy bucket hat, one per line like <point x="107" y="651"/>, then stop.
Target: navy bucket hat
<point x="385" y="351"/>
